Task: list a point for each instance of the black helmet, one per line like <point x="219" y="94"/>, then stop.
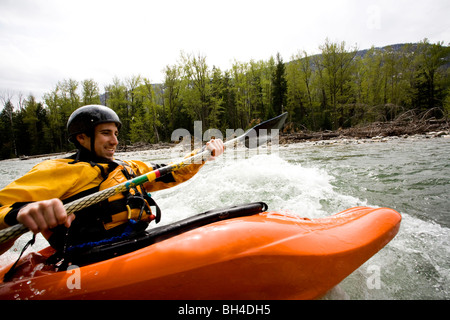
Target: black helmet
<point x="84" y="119"/>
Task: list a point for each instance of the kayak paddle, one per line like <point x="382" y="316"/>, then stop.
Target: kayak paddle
<point x="252" y="138"/>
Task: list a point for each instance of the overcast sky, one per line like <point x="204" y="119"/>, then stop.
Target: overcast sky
<point x="46" y="41"/>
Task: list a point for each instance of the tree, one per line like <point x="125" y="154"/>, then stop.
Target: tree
<point x="295" y="103"/>
<point x="54" y="136"/>
<point x="132" y="95"/>
<point x="91" y="92"/>
<point x="229" y="101"/>
<point x="337" y="63"/>
<point x="70" y="99"/>
<point x="255" y="80"/>
<point x="394" y="66"/>
<point x="217" y="109"/>
<point x="242" y="109"/>
<point x="279" y="87"/>
<point x="117" y="100"/>
<point x="8" y="145"/>
<point x="196" y="87"/>
<point x="171" y="98"/>
<point x="447" y="104"/>
<point x="151" y="116"/>
<point x="370" y="91"/>
<point x="31" y="120"/>
<point x="321" y="116"/>
<point x="430" y="87"/>
<point x="267" y="86"/>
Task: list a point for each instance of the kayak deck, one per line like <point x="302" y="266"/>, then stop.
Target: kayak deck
<point x="267" y="255"/>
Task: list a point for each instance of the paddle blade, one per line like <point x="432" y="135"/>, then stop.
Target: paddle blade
<point x="264" y="132"/>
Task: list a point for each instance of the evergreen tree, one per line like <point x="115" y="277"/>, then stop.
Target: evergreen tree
<point x="8" y="139"/>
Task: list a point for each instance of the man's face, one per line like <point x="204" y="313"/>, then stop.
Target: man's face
<point x="105" y="140"/>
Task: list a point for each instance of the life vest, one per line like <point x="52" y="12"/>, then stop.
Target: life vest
<point x="110" y="217"/>
<point x="132" y="204"/>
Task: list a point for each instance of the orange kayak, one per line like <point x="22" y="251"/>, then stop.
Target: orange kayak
<point x="248" y="255"/>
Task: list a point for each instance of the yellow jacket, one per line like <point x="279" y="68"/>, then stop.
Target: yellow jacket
<point x="65" y="179"/>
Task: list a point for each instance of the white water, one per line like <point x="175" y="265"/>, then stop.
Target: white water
<point x="298" y="178"/>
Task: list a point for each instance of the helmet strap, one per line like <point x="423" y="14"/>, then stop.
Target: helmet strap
<point x="91" y="134"/>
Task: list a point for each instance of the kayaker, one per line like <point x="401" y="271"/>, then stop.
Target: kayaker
<point x="36" y="199"/>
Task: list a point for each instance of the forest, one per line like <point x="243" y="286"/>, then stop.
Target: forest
<point x="341" y="87"/>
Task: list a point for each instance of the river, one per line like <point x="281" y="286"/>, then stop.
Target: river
<point x="319" y="179"/>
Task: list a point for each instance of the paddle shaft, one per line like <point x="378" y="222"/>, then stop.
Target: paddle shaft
<point x="74" y="206"/>
<point x="86" y="201"/>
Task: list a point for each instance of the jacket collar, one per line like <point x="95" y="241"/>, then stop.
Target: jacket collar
<point x="85" y="155"/>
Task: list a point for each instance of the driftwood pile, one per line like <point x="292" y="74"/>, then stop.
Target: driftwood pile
<point x="398" y="127"/>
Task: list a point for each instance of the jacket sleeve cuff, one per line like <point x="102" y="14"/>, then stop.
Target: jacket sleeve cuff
<point x="11" y="217"/>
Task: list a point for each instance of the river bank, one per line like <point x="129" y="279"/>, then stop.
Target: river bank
<point x="377" y="131"/>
